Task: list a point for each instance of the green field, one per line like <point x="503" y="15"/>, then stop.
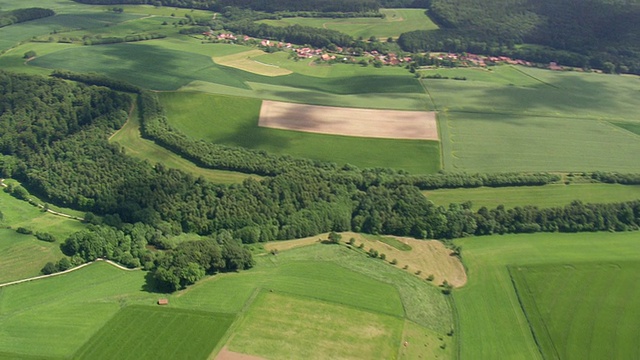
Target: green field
<point x="396" y="22"/>
<point x="541" y="196"/>
<point x="525" y="119"/>
<point x="22" y="256"/>
<point x="74" y="313"/>
<point x="492" y="323"/>
<point x="234" y="121"/>
<point x="145" y="332"/>
<point x="130" y="139"/>
<point x="286" y="327"/>
<point x="583" y="310"/>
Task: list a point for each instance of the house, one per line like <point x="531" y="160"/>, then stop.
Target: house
<point x="163" y="301"/>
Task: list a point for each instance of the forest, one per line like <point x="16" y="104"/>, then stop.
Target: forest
<point x="597" y="34"/>
<point x="54" y="140"/>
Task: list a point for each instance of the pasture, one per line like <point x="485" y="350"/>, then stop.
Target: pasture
<point x="80" y="314"/>
<point x="525" y="119"/>
<point x="492" y="323"/>
<point x="540" y="196"/>
<point x="131" y="140"/>
<point x="422" y="257"/>
<point x="176" y="334"/>
<point x="234" y="121"/>
<point x="395" y="22"/>
<point x="22" y="256"/>
<point x="583" y="310"/>
<point x="280" y="326"/>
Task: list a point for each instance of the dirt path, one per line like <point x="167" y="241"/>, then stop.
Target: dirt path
<point x="66" y="272"/>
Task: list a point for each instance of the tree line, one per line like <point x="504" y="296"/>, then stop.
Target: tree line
<point x="21" y="15"/>
<point x="260" y="5"/>
<point x="67" y="160"/>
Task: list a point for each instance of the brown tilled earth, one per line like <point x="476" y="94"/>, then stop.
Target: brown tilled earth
<point x="387" y="124"/>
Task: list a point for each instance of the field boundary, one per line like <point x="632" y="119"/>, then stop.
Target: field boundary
<point x="527" y="315"/>
<point x="16" y="282"/>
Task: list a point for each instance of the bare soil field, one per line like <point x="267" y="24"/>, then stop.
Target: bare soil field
<point x="386" y="124"/>
<point x="244" y="61"/>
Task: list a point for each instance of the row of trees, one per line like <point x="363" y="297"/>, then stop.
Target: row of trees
<point x="361" y="6"/>
<point x="21" y="15"/>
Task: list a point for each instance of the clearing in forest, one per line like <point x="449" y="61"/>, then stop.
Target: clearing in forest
<point x="386" y="124"/>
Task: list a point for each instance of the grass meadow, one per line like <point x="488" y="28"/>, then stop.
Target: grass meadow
<point x="492" y="323"/>
<point x="580" y="311"/>
<point x="280" y="326"/>
<point x="525" y="119"/>
<point x="146" y="332"/>
<point x="22" y="256"/>
<point x="233" y="121"/>
<point x="396" y="22"/>
<point x="130" y="139"/>
<point x="541" y="196"/>
<point x="78" y="313"/>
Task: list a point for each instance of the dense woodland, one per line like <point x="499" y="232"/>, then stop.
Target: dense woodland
<point x="53" y="137"/>
<point x="598" y="34"/>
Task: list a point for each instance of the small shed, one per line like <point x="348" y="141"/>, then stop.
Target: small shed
<point x="163" y="301"/>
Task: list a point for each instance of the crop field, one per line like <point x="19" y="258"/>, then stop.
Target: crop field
<point x="396" y="22"/>
<point x="562" y="123"/>
<point x="70" y="314"/>
<point x="129" y="137"/>
<point x="492" y="323"/>
<point x="237" y="125"/>
<point x="541" y="196"/>
<point x="280" y="326"/>
<point x="384" y="124"/>
<point x="580" y="311"/>
<point x="54" y="317"/>
<point x="145" y="332"/>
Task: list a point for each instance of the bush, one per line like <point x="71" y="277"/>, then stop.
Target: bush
<point x="45" y="237"/>
<point x="383" y="256"/>
<point x="394" y="262"/>
<point x="352" y="241"/>
<point x="373" y="253"/>
<point x="23" y="230"/>
<point x="430" y="277"/>
<point x="49" y="268"/>
<point x="418" y="272"/>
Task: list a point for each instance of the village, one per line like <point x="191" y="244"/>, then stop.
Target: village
<point x="350" y="55"/>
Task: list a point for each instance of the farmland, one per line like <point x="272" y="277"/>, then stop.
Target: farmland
<point x="127" y="335"/>
<point x="396" y="21"/>
<point x="234" y="121"/>
<point x="535" y="296"/>
<point x="88" y="307"/>
<point x="601" y="324"/>
<point x="493" y="324"/>
<point x="541" y="196"/>
<point x="500" y="121"/>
